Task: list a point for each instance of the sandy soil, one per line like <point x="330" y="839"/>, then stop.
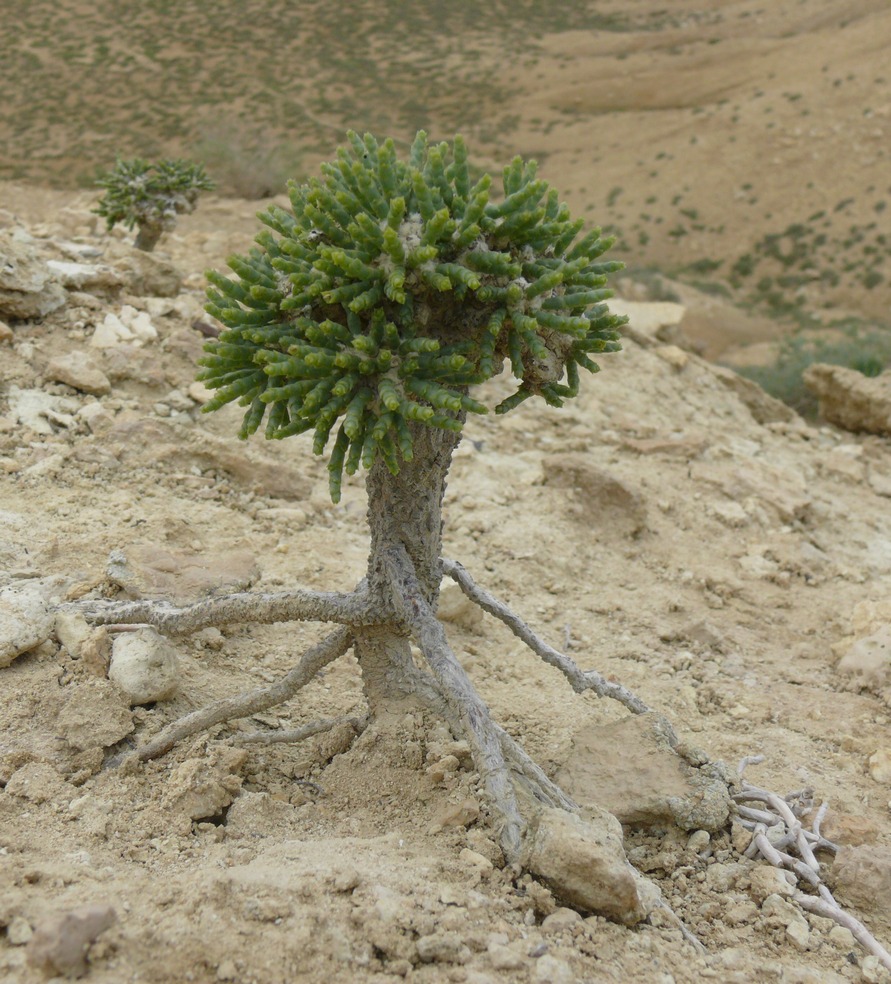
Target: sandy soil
<point x="723" y="572"/>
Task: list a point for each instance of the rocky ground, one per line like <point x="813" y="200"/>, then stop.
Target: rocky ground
<point x="673" y="527"/>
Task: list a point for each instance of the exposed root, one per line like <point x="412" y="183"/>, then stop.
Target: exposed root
<point x="252" y="702"/>
<point x="286" y="606"/>
<point x="466" y="705"/>
<point x="299" y="734"/>
<point x="580" y="680"/>
<point x="788" y="834"/>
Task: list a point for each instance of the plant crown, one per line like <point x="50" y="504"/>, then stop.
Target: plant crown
<point x="390" y="287"/>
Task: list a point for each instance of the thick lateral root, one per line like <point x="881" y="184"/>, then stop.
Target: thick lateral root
<point x="300" y="734"/>
<point x="580" y="680"/>
<point x="285" y="606"/>
<point x="466" y="706"/>
<point x="252" y="702"/>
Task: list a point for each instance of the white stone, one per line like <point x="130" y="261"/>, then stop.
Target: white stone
<point x="25" y="621"/>
<point x="144" y="665"/>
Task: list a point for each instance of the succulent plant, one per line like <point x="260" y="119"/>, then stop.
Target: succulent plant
<point x="390" y="287"/>
<point x="151" y="196"/>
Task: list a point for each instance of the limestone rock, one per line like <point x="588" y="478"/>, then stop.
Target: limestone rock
<point x="651" y="322"/>
<point x="129" y="325"/>
<point x="145" y="274"/>
<point x="86" y="276"/>
<point x="861" y="876"/>
<point x="613" y="505"/>
<point x="60" y="943"/>
<point x="25" y="621"/>
<point x="584" y="864"/>
<point x="144" y="665"/>
<point x="851" y="400"/>
<point x="28" y="288"/>
<point x="632" y="769"/>
<point x="94" y="714"/>
<point x="202" y="787"/>
<point x="867" y="664"/>
<point x="77" y="369"/>
<point x="39" y="410"/>
<point x="149" y="571"/>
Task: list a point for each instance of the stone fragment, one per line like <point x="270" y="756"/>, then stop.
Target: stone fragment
<point x="150" y="571"/>
<point x="144" y="665"/>
<point x="880" y="765"/>
<point x="505" y="957"/>
<point x="651" y="322"/>
<point x="862" y="877"/>
<point x="86" y="276"/>
<point x="851" y="400"/>
<point x="77" y="369"/>
<point x="778" y="910"/>
<point x="6" y="335"/>
<point x="144" y="274"/>
<point x="584" y="864"/>
<point x="93" y="714"/>
<point x="476" y="860"/>
<point x="38" y="782"/>
<point x="867" y="664"/>
<point x="28" y="288"/>
<point x="19" y="931"/>
<point x="553" y="970"/>
<point x="25" y="621"/>
<point x="60" y="943"/>
<point x="766" y="881"/>
<point x="559" y="920"/>
<point x="203" y="787"/>
<point x="461" y="814"/>
<point x="38" y="410"/>
<point x="443" y="948"/>
<point x="632" y="769"/>
<point x="613" y="505"/>
<point x="98" y="420"/>
<point x="130" y="326"/>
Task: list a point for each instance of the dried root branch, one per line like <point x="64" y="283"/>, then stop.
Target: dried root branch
<point x="252" y="702"/>
<point x="466" y="705"/>
<point x="782" y="839"/>
<point x="580" y="680"/>
<point x="300" y="734"/>
<point x="285" y="606"/>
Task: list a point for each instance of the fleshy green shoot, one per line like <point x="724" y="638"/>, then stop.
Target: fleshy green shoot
<point x="390" y="287"/>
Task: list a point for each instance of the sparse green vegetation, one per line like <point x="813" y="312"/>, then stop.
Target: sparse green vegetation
<point x="868" y="350"/>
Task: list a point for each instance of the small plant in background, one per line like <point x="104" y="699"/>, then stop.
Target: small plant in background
<point x="151" y="196"/>
<point x="869" y="352"/>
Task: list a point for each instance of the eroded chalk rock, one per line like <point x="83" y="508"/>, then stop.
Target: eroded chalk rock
<point x="144" y="665"/>
<point x="861" y="876"/>
<point x="867" y="664"/>
<point x="77" y="369"/>
<point x="583" y="863"/>
<point x="149" y="571"/>
<point x="28" y="288"/>
<point x="25" y="621"/>
<point x="203" y="787"/>
<point x="632" y="769"/>
<point x="851" y="400"/>
<point x="94" y="714"/>
<point x="60" y="944"/>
